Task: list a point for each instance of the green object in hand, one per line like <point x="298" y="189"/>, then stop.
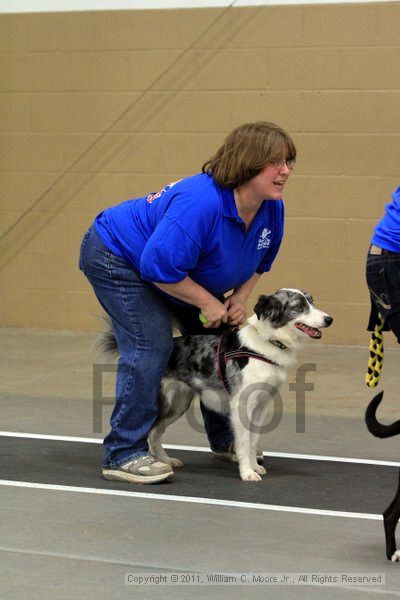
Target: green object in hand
<point x="203" y="318"/>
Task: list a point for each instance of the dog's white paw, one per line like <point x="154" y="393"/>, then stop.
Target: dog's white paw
<point x="174" y="462"/>
<point x="250" y="476"/>
<point x="396" y="556"/>
<point x="260" y="469"/>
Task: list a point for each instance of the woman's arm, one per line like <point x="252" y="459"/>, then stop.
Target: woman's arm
<point x="191" y="292"/>
<point x="243" y="291"/>
<point x="236" y="303"/>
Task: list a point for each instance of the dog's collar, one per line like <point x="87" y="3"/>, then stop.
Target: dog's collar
<point x="278" y="344"/>
<point x="243" y="352"/>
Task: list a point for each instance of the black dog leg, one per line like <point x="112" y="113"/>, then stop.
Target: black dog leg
<point x="390" y="519"/>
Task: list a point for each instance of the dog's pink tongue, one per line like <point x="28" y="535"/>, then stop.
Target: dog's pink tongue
<point x="315" y="333"/>
<point x="310" y="331"/>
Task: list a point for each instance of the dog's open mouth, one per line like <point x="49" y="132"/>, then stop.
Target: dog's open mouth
<point x="310" y="331"/>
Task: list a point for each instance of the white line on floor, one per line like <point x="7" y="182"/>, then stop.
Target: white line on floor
<point x="165" y="570"/>
<point x="371" y="590"/>
<point x="85" y="440"/>
<point x="45" y="6"/>
<point x="56" y="438"/>
<point x="189" y="499"/>
<point x="87" y="558"/>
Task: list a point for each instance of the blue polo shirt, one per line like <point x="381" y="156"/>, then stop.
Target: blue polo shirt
<point x="387" y="232"/>
<point x="192" y="228"/>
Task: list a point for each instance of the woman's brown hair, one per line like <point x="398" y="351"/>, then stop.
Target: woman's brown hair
<point x="247" y="150"/>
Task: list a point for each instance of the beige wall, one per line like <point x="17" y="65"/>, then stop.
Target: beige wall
<point x="100" y="107"/>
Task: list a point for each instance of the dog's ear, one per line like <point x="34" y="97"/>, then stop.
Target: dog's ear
<point x="262" y="303"/>
<point x="268" y="306"/>
<point x="308" y="296"/>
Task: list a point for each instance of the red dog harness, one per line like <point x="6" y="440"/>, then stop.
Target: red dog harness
<point x="223" y="357"/>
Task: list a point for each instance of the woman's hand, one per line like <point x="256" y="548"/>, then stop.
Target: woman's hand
<point x="236" y="306"/>
<point x="215" y="312"/>
<point x="232" y="311"/>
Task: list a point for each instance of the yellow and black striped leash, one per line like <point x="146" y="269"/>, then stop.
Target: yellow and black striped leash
<point x="376" y="351"/>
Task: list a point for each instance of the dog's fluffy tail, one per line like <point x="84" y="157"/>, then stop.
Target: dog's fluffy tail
<point x="378" y="429"/>
<point x="106" y="342"/>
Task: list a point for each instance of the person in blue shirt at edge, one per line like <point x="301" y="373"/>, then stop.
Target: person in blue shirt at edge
<point x="383" y="269"/>
<point x="178" y="251"/>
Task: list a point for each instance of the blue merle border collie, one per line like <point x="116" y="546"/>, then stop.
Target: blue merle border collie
<point x="235" y="373"/>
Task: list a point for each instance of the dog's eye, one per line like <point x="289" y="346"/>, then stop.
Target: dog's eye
<point x="298" y="307"/>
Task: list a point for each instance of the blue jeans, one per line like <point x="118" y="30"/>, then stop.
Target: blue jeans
<point x="142" y="325"/>
<point x="383" y="280"/>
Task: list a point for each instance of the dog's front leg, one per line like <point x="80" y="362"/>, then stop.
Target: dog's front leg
<point x="258" y="412"/>
<point x="241" y="430"/>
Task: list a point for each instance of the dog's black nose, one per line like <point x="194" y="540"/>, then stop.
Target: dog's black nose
<point x="328" y="321"/>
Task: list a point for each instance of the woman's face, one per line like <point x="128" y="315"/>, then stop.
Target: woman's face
<point x="269" y="183"/>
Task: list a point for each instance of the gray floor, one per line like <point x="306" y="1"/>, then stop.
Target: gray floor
<point x="66" y="544"/>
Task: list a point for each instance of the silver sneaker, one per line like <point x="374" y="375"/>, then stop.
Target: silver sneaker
<point x="229" y="454"/>
<point x="145" y="469"/>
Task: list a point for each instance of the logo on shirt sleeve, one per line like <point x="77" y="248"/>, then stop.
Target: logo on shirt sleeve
<point x="151" y="197"/>
<point x="264" y="240"/>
